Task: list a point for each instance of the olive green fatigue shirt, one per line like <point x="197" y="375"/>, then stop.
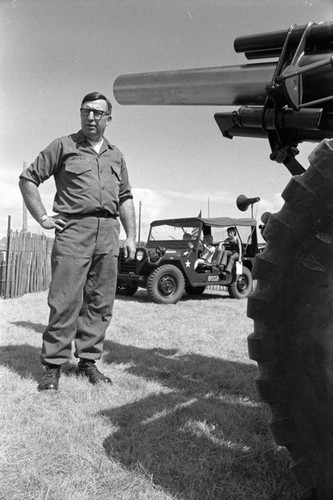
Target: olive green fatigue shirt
<point x="86" y="181"/>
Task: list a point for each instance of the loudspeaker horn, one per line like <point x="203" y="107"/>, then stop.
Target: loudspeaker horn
<point x="243" y="202"/>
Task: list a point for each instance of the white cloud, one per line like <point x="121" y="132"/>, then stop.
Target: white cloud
<point x="153" y="203"/>
<point x="272" y="205"/>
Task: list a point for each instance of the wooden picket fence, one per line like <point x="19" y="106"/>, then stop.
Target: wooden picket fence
<point x="25" y="265"/>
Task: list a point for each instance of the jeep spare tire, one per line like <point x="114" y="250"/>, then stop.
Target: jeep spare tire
<point x="166" y="284"/>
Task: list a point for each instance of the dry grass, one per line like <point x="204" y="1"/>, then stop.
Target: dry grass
<point x="182" y="420"/>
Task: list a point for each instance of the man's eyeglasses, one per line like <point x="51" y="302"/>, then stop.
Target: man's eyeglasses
<point x="97" y="113"/>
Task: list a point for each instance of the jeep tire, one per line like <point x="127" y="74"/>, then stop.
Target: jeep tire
<point x="166" y="284"/>
<point x="242" y="286"/>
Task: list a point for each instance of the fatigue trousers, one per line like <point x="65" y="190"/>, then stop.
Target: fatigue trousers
<point x="82" y="291"/>
<point x="233" y="256"/>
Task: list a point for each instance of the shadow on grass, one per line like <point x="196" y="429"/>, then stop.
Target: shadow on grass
<point x="142" y="296"/>
<point x="23" y="359"/>
<point x="189" y="373"/>
<point x="204" y="436"/>
<point x="37" y="327"/>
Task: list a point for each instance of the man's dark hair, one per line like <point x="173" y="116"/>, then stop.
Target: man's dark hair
<point x="93" y="96"/>
<point x="232" y="229"/>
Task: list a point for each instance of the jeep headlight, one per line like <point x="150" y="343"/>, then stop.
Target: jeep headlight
<point x="140" y="255"/>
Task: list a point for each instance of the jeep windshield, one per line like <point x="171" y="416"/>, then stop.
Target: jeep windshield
<point x="167" y="233"/>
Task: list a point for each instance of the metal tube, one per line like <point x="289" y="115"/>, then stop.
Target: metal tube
<point x="320" y="34"/>
<point x="226" y="85"/>
<point x="305" y="125"/>
<point x="220" y="86"/>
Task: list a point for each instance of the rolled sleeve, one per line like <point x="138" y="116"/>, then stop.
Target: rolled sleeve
<point x="45" y="165"/>
<point x="125" y="192"/>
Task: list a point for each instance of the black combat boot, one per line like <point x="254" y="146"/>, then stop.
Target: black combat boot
<point x="50" y="379"/>
<point x="87" y="368"/>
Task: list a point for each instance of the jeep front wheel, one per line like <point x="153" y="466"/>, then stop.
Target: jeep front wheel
<point x="242" y="286"/>
<point x="166" y="284"/>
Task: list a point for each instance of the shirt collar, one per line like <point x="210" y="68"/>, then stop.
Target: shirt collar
<point x="79" y="137"/>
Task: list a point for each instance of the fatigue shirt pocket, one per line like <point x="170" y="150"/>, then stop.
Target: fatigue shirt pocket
<point x="76" y="185"/>
<point x="77" y="167"/>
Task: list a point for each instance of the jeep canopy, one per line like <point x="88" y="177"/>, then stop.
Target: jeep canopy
<point x="211" y="222"/>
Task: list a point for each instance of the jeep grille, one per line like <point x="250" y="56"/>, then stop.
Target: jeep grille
<point x="126" y="266"/>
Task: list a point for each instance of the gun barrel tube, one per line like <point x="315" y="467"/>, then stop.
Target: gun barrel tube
<point x="219" y="86"/>
<point x="305" y="125"/>
<point x="226" y="85"/>
<point x="320" y="35"/>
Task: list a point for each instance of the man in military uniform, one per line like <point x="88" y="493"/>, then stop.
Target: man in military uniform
<point x="92" y="192"/>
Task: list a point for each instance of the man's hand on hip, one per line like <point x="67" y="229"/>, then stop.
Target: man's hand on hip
<point x="53" y="222"/>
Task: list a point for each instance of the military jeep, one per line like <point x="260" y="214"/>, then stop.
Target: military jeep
<point x="165" y="266"/>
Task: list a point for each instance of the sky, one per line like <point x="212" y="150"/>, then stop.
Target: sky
<point x="53" y="52"/>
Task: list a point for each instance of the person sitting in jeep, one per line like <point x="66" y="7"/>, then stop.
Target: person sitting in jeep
<point x="211" y="253"/>
<point x="232" y="252"/>
<point x="207" y="253"/>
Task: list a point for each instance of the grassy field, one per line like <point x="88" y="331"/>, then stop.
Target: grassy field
<point x="181" y="421"/>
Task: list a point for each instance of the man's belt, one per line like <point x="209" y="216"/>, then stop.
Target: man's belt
<point x="101" y="213"/>
<point x="97" y="213"/>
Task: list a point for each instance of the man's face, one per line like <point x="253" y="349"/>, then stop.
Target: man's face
<point x="93" y="126"/>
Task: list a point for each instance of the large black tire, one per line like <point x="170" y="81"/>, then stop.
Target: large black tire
<point x="166" y="284"/>
<point x="194" y="290"/>
<point x="293" y="324"/>
<point x="127" y="290"/>
<point x="242" y="286"/>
